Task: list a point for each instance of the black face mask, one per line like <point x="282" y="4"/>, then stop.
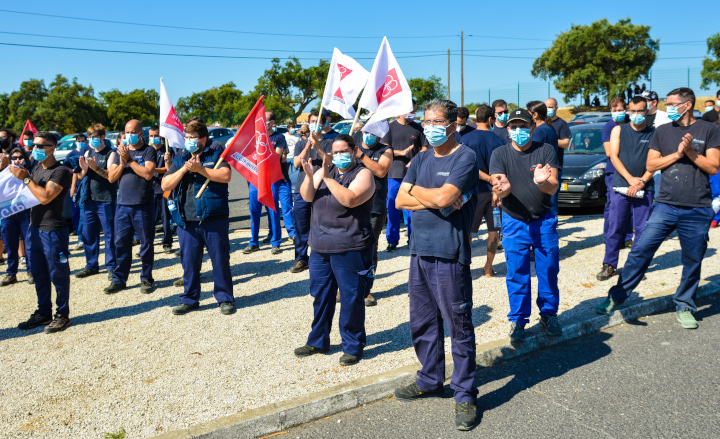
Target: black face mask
<point x="5" y="143"/>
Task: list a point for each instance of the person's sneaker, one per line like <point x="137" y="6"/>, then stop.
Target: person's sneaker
<point x="299" y="266"/>
<point x="267" y="240"/>
<point x="349" y="360"/>
<point x="85" y="273"/>
<point x="551" y="325"/>
<point x="135" y="242"/>
<point x="628" y="244"/>
<point x="608" y="306"/>
<point x="78" y="246"/>
<point x="337" y="297"/>
<point x="179" y="283"/>
<point x="167" y="249"/>
<point x="184" y="309"/>
<point x="146" y="287"/>
<point x="114" y="288"/>
<point x="227" y="308"/>
<point x="35" y="320"/>
<point x="9" y="279"/>
<point x="465" y="415"/>
<point x="606" y="273"/>
<point x="686" y="319"/>
<point x="713" y="224"/>
<point x="250" y="249"/>
<point x="23" y="262"/>
<point x="370" y="300"/>
<point x="413" y="392"/>
<point x="110" y="274"/>
<point x="31" y="279"/>
<point x="391" y="247"/>
<point x="517" y="332"/>
<point x="58" y="324"/>
<point x="275" y="250"/>
<point x="291" y="240"/>
<point x="306" y="351"/>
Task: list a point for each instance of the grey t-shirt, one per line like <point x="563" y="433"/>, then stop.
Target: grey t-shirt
<point x="526" y="201"/>
<point x="683" y="183"/>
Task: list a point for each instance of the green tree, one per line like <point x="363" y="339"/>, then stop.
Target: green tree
<point x="292" y="86"/>
<point x="138" y="104"/>
<point x="601" y="58"/>
<point x="424" y="90"/>
<point x="23" y="104"/>
<point x="711" y="67"/>
<point x="4" y="109"/>
<point x="225" y="104"/>
<point x="69" y="107"/>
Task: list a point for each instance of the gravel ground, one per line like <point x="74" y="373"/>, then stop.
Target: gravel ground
<point x="127" y="362"/>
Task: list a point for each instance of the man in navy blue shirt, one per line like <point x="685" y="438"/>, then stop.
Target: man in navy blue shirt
<point x="76" y="189"/>
<point x="563" y="134"/>
<point x="544" y="133"/>
<point x="462" y="124"/>
<point x="134" y="168"/>
<point x="501" y="119"/>
<point x="483" y="142"/>
<point x="439" y="188"/>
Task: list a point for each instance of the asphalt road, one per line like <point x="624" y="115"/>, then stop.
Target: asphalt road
<point x="648" y="378"/>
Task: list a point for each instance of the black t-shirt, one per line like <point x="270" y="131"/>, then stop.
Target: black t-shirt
<point x="433" y="234"/>
<point x="526" y="201"/>
<point x="563" y="132"/>
<point x="634" y="147"/>
<point x="159" y="163"/>
<point x="400" y="137"/>
<point x="483" y="143"/>
<point x="99" y="188"/>
<point x="711" y="116"/>
<point x="278" y="141"/>
<point x="683" y="183"/>
<point x="49" y="217"/>
<point x="649" y="120"/>
<point x="135" y="190"/>
<point x="316" y="161"/>
<point x="381" y="187"/>
<point x="545" y="134"/>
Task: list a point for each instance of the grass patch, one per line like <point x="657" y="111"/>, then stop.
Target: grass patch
<point x="119" y="435"/>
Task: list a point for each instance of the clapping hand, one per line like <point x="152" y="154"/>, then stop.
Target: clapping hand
<point x="308" y="168"/>
<point x="83" y="164"/>
<point x="4" y="161"/>
<point x="685" y="145"/>
<point x="326" y="165"/>
<point x="91" y="163"/>
<point x="124" y="153"/>
<point x="542" y="173"/>
<point x="193" y="165"/>
<point x="167" y="157"/>
<point x="501" y="184"/>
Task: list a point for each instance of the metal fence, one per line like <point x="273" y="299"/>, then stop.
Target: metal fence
<point x="659" y="81"/>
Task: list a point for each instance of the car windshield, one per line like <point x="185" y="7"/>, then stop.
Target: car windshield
<point x="585" y="140"/>
<point x="66" y="145"/>
<point x="342" y="127"/>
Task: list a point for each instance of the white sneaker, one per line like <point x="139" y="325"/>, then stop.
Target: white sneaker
<point x="23" y="262"/>
<point x="78" y="246"/>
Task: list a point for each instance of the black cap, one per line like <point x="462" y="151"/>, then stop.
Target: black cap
<point x="325" y="113"/>
<point x="520" y="114"/>
<point x="649" y="95"/>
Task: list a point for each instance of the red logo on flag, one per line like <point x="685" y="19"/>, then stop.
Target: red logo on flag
<point x="28" y="127"/>
<point x="390" y="88"/>
<point x="173" y="120"/>
<point x="338" y="95"/>
<point x="344" y="71"/>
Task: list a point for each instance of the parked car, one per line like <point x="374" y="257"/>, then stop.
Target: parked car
<point x="63" y="149"/>
<point x="583" y="175"/>
<point x="68" y="137"/>
<point x="220" y="134"/>
<point x="112" y="137"/>
<point x="579" y="118"/>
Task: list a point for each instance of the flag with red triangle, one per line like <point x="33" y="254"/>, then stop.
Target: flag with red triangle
<point x="28" y="127"/>
<point x="346" y="79"/>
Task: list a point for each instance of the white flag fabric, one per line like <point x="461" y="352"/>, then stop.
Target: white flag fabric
<point x="170" y="125"/>
<point x="14" y="195"/>
<point x="387" y="93"/>
<point x="346" y="79"/>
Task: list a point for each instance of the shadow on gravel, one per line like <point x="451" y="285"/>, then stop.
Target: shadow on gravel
<point x="672" y="259"/>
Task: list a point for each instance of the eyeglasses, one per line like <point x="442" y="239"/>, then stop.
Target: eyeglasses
<point x="501" y="112"/>
<point x="435" y="122"/>
<point x="17" y="158"/>
<point x="192" y="137"/>
<point x="94" y="137"/>
<point x="675" y="105"/>
<point x="636" y="111"/>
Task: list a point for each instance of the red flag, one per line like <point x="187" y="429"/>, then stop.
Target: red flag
<point x="253" y="155"/>
<point x="28" y="126"/>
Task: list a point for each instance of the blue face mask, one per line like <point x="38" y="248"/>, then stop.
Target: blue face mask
<point x="124" y="141"/>
<point x="81" y="145"/>
<point x="342" y="161"/>
<point x="673" y="114"/>
<point x="619" y="116"/>
<point x="270" y="128"/>
<point x="551" y="112"/>
<point x="369" y="139"/>
<point x="155" y="141"/>
<point x="28" y="142"/>
<point x="435" y="134"/>
<point x="503" y="117"/>
<point x="95" y="142"/>
<point x="191" y="145"/>
<point x="132" y="138"/>
<point x="637" y="119"/>
<point x="709" y="108"/>
<point x="521" y="136"/>
<point x="39" y="154"/>
<point x="291" y="130"/>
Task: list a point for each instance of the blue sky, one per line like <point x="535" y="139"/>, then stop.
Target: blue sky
<point x="501" y="29"/>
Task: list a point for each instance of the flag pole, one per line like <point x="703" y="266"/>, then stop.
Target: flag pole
<point x="320" y="116"/>
<point x="352" y="128"/>
<point x="166" y="194"/>
<point x="222" y="157"/>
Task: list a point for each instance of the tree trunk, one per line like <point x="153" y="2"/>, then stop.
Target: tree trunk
<point x="587" y="100"/>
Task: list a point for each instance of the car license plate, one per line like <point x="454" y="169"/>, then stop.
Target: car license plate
<point x="564" y="186"/>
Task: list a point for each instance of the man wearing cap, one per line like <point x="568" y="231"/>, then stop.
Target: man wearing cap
<point x="654" y="117"/>
<point x="524" y="175"/>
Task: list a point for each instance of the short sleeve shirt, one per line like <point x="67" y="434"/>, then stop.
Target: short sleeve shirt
<point x="545" y="134"/>
<point x="313" y="157"/>
<point x="159" y="163"/>
<point x="563" y="132"/>
<point x="49" y="217"/>
<point x="483" y="143"/>
<point x="683" y="183"/>
<point x="278" y="141"/>
<point x="400" y="137"/>
<point x="135" y="190"/>
<point x="431" y="172"/>
<point x="526" y="201"/>
<point x="502" y="133"/>
<point x="381" y="186"/>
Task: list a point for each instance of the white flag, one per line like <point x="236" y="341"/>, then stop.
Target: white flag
<point x="346" y="79"/>
<point x="170" y="126"/>
<point x="14" y="195"/>
<point x="387" y="92"/>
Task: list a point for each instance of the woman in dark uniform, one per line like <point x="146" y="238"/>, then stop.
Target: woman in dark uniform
<point x="342" y="241"/>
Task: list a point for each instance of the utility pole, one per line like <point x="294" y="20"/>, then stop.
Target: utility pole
<point x="448" y="74"/>
<point x="462" y="72"/>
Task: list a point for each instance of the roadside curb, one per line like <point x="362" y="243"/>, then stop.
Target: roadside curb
<point x="281" y="416"/>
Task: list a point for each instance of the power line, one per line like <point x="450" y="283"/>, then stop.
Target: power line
<point x="184" y="28"/>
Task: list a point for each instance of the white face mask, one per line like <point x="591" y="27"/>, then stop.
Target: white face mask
<point x="460" y="128"/>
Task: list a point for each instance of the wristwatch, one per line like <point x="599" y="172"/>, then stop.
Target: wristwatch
<point x="26" y="180"/>
<point x="643" y="182"/>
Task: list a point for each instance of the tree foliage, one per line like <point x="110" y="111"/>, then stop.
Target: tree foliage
<point x="601" y="58"/>
<point x="424" y="90"/>
<point x="138" y="104"/>
<point x="711" y="67"/>
<point x="69" y="107"/>
<point x="289" y="89"/>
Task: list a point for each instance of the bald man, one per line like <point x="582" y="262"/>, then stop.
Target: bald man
<point x="134" y="168"/>
<point x="563" y="133"/>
